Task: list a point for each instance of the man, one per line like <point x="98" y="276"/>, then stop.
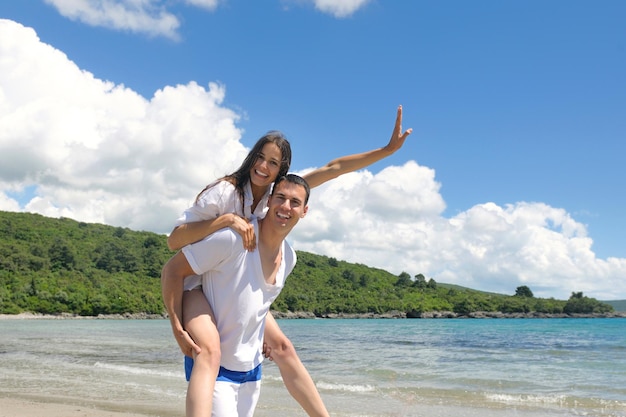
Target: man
<point x="240" y="287"/>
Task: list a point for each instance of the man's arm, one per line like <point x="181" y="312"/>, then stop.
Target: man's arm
<point x="172" y="279"/>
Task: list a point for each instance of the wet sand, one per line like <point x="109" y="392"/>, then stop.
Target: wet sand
<point x="16" y="407"/>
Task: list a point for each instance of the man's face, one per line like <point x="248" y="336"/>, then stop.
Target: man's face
<point x="286" y="206"/>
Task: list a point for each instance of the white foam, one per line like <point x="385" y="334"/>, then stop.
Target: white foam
<point x="527" y="399"/>
<point x="138" y="371"/>
<point x="345" y="387"/>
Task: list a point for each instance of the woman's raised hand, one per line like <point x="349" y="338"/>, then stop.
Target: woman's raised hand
<point x="398" y="136"/>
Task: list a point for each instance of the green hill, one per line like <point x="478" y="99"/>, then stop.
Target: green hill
<point x="618" y="305"/>
<point x="53" y="266"/>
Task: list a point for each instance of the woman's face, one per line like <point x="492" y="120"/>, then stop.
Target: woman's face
<point x="266" y="166"/>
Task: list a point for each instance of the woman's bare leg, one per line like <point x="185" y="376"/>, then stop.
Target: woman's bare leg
<point x="199" y="321"/>
<point x="295" y="376"/>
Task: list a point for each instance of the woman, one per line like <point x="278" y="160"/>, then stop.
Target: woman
<point x="228" y="202"/>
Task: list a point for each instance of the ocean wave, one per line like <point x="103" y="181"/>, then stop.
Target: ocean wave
<point x="527" y="399"/>
<point x="345" y="387"/>
<point x="138" y="371"/>
<point x="328" y="386"/>
<point x="607" y="408"/>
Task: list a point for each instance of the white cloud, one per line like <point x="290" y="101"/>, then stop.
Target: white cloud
<point x="486" y="247"/>
<point x="98" y="151"/>
<point x="94" y="151"/>
<point x="155" y="18"/>
<point x="139" y="16"/>
<point x="339" y="8"/>
<point x="7" y="203"/>
<point x="205" y="4"/>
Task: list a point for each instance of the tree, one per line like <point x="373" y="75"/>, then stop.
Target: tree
<point x="464" y="306"/>
<point x="581" y="304"/>
<point x="404" y="280"/>
<point x="523" y="291"/>
<point x="61" y="255"/>
<point x="420" y="281"/>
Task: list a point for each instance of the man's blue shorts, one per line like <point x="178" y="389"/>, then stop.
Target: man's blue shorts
<point x="226" y="374"/>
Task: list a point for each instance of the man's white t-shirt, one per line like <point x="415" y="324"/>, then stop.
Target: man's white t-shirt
<point x="234" y="284"/>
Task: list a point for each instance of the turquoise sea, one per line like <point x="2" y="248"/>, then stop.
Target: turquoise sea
<point x="362" y="367"/>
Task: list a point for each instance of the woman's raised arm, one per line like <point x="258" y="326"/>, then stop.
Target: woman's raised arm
<point x="350" y="163"/>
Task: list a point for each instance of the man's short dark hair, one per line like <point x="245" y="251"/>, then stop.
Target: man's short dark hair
<point x="294" y="179"/>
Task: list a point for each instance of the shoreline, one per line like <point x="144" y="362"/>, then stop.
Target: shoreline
<point x="70" y="316"/>
<point x="26" y="407"/>
<point x="310" y="315"/>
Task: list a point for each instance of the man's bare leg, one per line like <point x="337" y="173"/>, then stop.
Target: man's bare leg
<point x="295" y="376"/>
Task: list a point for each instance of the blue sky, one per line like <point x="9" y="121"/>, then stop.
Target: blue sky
<point x="118" y="112"/>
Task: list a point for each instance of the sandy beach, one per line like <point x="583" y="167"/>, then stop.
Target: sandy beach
<point x="11" y="407"/>
<point x="14" y="407"/>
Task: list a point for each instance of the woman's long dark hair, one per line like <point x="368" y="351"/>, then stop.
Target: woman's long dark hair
<point x="241" y="176"/>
